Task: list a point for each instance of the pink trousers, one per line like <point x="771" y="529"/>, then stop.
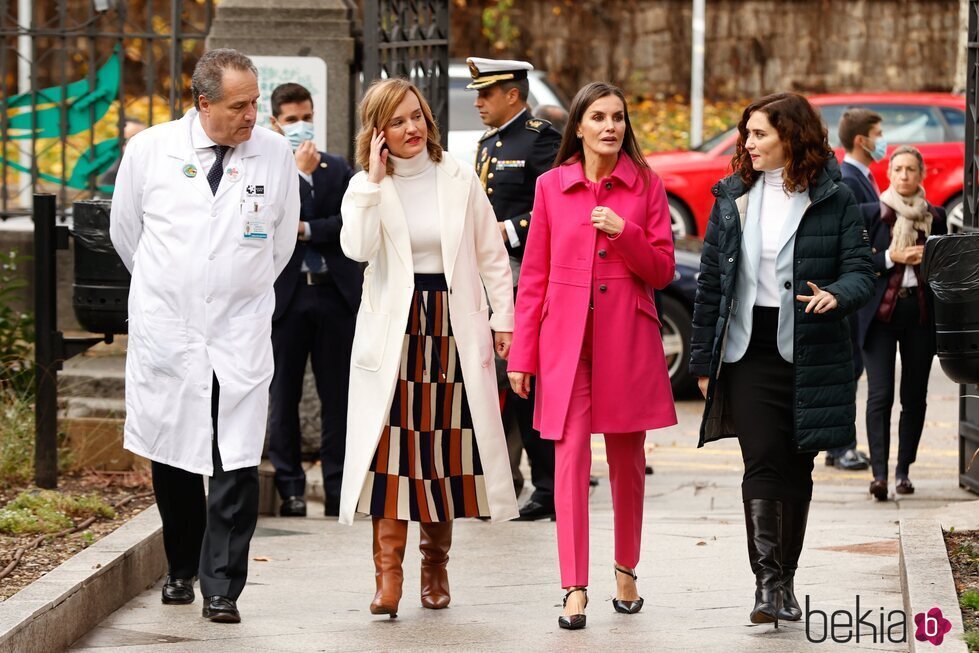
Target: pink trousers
<point x="572" y="467"/>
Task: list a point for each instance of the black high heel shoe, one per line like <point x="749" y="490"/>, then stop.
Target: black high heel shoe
<point x="627" y="607"/>
<point x="575" y="621"/>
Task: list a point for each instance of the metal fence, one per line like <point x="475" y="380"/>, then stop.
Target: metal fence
<point x="411" y="40"/>
<point x="72" y="73"/>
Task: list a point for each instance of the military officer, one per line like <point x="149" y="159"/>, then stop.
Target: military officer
<point x="515" y="150"/>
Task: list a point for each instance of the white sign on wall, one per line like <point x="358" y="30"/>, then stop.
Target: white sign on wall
<point x="308" y="71"/>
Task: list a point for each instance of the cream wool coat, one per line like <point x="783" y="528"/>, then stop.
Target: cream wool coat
<point x="474" y="257"/>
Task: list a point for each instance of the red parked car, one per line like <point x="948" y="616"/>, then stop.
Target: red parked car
<point x="932" y="122"/>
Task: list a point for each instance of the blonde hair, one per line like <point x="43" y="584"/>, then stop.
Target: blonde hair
<point x="379" y="104"/>
<point x="913" y="151"/>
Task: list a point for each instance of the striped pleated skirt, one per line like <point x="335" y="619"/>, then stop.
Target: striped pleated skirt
<point x="426" y="466"/>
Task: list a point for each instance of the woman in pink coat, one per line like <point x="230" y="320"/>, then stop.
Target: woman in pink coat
<point x="599" y="243"/>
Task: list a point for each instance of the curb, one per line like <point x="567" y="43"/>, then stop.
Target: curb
<point x="926" y="582"/>
<point x="54" y="611"/>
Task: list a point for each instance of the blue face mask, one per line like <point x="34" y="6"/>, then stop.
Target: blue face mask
<point x="879" y="151"/>
<point x="297" y="132"/>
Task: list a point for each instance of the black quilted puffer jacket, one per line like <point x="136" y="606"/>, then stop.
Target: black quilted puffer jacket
<point x="832" y="251"/>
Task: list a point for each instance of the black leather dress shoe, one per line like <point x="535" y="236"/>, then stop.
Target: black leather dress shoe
<point x="533" y="511"/>
<point x="850" y="461"/>
<point x="178" y="591"/>
<point x="293" y="507"/>
<point x="221" y="609"/>
<point x="878" y="488"/>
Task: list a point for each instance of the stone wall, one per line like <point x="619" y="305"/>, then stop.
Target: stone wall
<point x="753" y="47"/>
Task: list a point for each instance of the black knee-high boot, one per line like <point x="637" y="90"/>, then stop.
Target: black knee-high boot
<point x="795" y="514"/>
<point x="762" y="518"/>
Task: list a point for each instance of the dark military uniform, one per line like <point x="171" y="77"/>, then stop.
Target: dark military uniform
<point x="509" y="161"/>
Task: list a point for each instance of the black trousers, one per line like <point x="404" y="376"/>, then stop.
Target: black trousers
<point x="208" y="537"/>
<point x="318" y="325"/>
<point x="760" y="387"/>
<point x="879" y="354"/>
<point x="540" y="452"/>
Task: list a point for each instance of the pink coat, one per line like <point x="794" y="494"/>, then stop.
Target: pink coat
<point x="566" y="264"/>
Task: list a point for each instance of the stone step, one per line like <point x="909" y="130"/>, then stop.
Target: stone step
<point x="102" y="377"/>
<point x="103" y="407"/>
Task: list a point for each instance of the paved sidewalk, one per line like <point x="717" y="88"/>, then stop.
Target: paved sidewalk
<point x="311" y="580"/>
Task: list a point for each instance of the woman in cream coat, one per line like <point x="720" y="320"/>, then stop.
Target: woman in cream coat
<point x="425" y="440"/>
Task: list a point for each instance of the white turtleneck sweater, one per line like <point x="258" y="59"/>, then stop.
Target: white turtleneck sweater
<point x="776" y="204"/>
<point x="415" y="181"/>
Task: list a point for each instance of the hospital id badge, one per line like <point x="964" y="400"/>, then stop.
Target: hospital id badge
<point x="256" y="230"/>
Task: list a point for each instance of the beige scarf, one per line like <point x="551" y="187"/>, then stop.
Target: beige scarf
<point x="912" y="216"/>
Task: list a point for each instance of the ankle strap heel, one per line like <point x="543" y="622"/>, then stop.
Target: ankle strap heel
<point x="627" y="607"/>
<point x="575" y="621"/>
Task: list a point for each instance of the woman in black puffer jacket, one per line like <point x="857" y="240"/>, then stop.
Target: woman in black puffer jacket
<point x="785" y="260"/>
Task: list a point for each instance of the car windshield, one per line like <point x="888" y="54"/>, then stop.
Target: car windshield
<point x="714" y="141"/>
<point x="902" y="123"/>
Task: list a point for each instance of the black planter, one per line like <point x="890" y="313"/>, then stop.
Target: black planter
<point x="100" y="293"/>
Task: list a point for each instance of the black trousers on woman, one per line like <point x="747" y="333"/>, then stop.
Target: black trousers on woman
<point x="879" y="354"/>
<point x="760" y="387"/>
<point x="208" y="537"/>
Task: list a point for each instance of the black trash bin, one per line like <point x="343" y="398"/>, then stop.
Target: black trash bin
<point x="951" y="268"/>
<point x="100" y="293"/>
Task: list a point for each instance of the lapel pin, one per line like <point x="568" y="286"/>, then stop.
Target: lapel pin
<point x="190" y="170"/>
<point x="233" y="173"/>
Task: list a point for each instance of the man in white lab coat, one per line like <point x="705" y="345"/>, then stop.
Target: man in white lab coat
<point x="205" y="216"/>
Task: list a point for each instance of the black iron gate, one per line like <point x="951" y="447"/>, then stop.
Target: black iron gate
<point x="411" y="39"/>
<point x="969" y="394"/>
<point x="72" y="72"/>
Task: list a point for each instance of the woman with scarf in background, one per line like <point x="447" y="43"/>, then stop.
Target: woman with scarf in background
<point x="899" y="315"/>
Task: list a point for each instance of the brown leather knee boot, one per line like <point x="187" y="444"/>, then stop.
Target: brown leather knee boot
<point x="434" y="542"/>
<point x="390" y="536"/>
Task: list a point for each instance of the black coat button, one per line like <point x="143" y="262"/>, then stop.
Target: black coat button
<point x="602" y="288"/>
<point x="602" y="253"/>
<point x="608" y="185"/>
<point x="788" y="285"/>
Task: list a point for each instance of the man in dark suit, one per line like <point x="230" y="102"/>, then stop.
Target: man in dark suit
<point x="316" y="302"/>
<point x="862" y="137"/>
<point x="516" y="150"/>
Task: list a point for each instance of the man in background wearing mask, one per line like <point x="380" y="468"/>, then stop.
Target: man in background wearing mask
<point x="863" y="140"/>
<point x="316" y="302"/>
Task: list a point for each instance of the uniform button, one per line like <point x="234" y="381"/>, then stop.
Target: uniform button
<point x="499" y="143"/>
<point x="602" y="288"/>
<point x="209" y="300"/>
<point x="490" y="175"/>
<point x="207" y="342"/>
<point x="493" y="160"/>
<point x="211" y="257"/>
<point x="873" y="250"/>
<point x="788" y="285"/>
<point x="608" y="185"/>
<point x="602" y="253"/>
<point x="731" y="260"/>
<point x="727" y="217"/>
<point x="489" y="191"/>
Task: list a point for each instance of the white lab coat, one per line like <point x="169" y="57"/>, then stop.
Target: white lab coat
<point x="201" y="298"/>
<point x="474" y="257"/>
